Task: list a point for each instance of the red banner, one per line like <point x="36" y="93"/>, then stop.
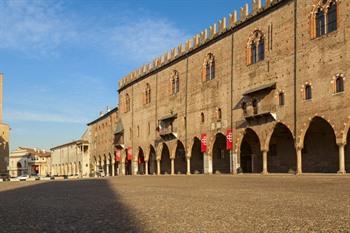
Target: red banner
<point x="118" y="155"/>
<point x="229" y="139"/>
<point x="129" y="153"/>
<point x="204" y="143"/>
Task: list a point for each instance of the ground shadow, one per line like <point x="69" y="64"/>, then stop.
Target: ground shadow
<point x="65" y="206"/>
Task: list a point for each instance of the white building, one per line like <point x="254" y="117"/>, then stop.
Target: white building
<point x="29" y="161"/>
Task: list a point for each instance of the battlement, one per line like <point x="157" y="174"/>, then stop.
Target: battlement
<point x="200" y="39"/>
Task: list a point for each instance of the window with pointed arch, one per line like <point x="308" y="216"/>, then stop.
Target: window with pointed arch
<point x="324" y="18"/>
<point x="256" y="47"/>
<point x="174" y="82"/>
<point x="308" y="92"/>
<point x="208" y="69"/>
<point x="147" y="96"/>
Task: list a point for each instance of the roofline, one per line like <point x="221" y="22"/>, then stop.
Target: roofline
<point x="240" y="25"/>
<point x="69" y="143"/>
<point x="103" y="116"/>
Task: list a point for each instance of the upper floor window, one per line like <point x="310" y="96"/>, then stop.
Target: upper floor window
<point x="338" y="83"/>
<point x="208" y="69"/>
<point x="202" y="117"/>
<point x="308" y="92"/>
<point x="324" y="18"/>
<point x="174" y="83"/>
<point x="219" y="114"/>
<point x="256" y="47"/>
<point x="147" y="95"/>
<point x="125" y="104"/>
<point x="281" y="99"/>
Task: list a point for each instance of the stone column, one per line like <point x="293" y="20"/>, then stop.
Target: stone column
<point x="172" y="166"/>
<point x="123" y="168"/>
<point x="95" y="169"/>
<point x="210" y="164"/>
<point x="158" y="167"/>
<point x="146" y="168"/>
<point x="188" y="166"/>
<point x="113" y="168"/>
<point x="265" y="172"/>
<point x="341" y="147"/>
<point x="299" y="161"/>
<point x="234" y="163"/>
<point x="107" y="169"/>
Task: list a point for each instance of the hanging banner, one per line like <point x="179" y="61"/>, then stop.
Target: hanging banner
<point x="118" y="155"/>
<point x="129" y="153"/>
<point x="229" y="139"/>
<point x="204" y="143"/>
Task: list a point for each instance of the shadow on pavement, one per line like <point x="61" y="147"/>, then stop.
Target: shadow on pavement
<point x="65" y="206"/>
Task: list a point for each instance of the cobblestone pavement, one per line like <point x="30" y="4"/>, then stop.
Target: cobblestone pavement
<point x="178" y="204"/>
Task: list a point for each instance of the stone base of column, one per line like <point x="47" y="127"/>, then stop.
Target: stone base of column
<point x="341" y="172"/>
<point x="264" y="173"/>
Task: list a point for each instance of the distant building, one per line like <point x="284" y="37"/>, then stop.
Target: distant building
<point x="102" y="143"/>
<point x="72" y="159"/>
<point x="29" y="161"/>
<point x="4" y="135"/>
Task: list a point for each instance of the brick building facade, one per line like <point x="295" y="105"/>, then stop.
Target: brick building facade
<point x="263" y="93"/>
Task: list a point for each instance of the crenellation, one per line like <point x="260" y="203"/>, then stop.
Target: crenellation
<point x="256" y="6"/>
<point x="233" y="19"/>
<point x="244" y="12"/>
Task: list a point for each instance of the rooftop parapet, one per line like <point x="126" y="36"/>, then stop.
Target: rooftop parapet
<point x="199" y="39"/>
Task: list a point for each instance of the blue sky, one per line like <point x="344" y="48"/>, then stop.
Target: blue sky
<point x="62" y="59"/>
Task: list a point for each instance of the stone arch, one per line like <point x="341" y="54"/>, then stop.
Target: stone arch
<point x="141" y="161"/>
<point x="165" y="162"/>
<point x="19" y="169"/>
<point x="220" y="155"/>
<point x="320" y="151"/>
<point x="197" y="161"/>
<point x="281" y="150"/>
<point x="152" y="161"/>
<point x="180" y="162"/>
<point x="250" y="152"/>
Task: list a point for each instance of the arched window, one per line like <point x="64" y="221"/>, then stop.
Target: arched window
<point x="147" y="96"/>
<point x="324" y="18"/>
<point x="219" y="116"/>
<point x="339" y="85"/>
<point x="127" y="103"/>
<point x="208" y="69"/>
<point x="308" y="92"/>
<point x="174" y="83"/>
<point x="332" y="17"/>
<point x="256" y="48"/>
<point x="281" y="99"/>
<point x="202" y="118"/>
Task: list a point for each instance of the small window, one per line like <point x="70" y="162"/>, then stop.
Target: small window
<point x="261" y="50"/>
<point x="138" y="131"/>
<point x="219" y="114"/>
<point x="254" y="53"/>
<point x="281" y="98"/>
<point x="149" y="128"/>
<point x="255" y="106"/>
<point x="332" y="18"/>
<point x="339" y="85"/>
<point x="320" y="23"/>
<point x="208" y="69"/>
<point x="308" y="92"/>
<point x="202" y="118"/>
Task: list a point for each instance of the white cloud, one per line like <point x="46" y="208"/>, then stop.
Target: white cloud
<point x="34" y="27"/>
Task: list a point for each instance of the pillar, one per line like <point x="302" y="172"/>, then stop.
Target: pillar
<point x="264" y="162"/>
<point x="208" y="163"/>
<point x="95" y="168"/>
<point x="146" y="167"/>
<point x="158" y="167"/>
<point x="188" y="166"/>
<point x="107" y="169"/>
<point x="341" y="147"/>
<point x="172" y="166"/>
<point x="113" y="168"/>
<point x="299" y="161"/>
<point x="123" y="168"/>
<point x="135" y="167"/>
<point x="234" y="163"/>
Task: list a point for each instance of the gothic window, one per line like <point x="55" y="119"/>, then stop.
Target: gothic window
<point x="339" y="85"/>
<point x="281" y="98"/>
<point x="174" y="83"/>
<point x="147" y="96"/>
<point x="208" y="69"/>
<point x="324" y="18"/>
<point x="308" y="92"/>
<point x="256" y="48"/>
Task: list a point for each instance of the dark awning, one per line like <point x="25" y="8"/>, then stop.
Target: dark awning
<point x="168" y="117"/>
<point x="269" y="86"/>
<point x="119" y="129"/>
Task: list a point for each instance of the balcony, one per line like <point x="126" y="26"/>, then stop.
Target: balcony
<point x="260" y="114"/>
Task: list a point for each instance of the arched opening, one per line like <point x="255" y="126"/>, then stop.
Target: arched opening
<point x="221" y="156"/>
<point x="320" y="152"/>
<point x="196" y="157"/>
<point x="152" y="162"/>
<point x="347" y="153"/>
<point x="128" y="163"/>
<point x="141" y="162"/>
<point x="165" y="163"/>
<point x="180" y="162"/>
<point x="110" y="165"/>
<point x="250" y="154"/>
<point x="282" y="154"/>
<point x="19" y="169"/>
